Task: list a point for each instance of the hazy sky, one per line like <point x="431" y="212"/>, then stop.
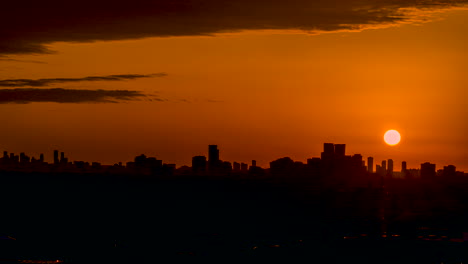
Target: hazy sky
<point x="261" y="79"/>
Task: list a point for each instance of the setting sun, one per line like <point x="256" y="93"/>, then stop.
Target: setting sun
<point x="392" y="137"/>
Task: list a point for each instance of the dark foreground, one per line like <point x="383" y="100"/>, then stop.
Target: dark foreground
<point x="218" y="221"/>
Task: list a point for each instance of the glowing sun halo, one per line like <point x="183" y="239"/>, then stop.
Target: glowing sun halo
<point x="392" y="137"/>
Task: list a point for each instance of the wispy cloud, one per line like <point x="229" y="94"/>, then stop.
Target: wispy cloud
<point x="25" y="61"/>
<point x="50" y="81"/>
<point x="28" y="28"/>
<point x="60" y="95"/>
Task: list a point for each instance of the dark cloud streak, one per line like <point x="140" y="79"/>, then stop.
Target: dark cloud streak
<point x="60" y="95"/>
<point x="28" y="28"/>
<point x="49" y="81"/>
<point x="25" y="61"/>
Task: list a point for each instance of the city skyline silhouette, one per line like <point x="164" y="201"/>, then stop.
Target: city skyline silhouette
<point x="242" y="211"/>
<point x="12" y="162"/>
<point x="252" y="131"/>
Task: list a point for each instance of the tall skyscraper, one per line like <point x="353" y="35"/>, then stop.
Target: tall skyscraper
<point x="56" y="158"/>
<point x="404" y="171"/>
<point x="213" y="156"/>
<point x="329" y="148"/>
<point x="328" y="151"/>
<point x="390" y="168"/>
<point x="340" y="150"/>
<point x="357" y="160"/>
<point x="384" y="165"/>
<point x="370" y="164"/>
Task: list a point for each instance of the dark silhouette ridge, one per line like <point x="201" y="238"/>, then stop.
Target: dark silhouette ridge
<point x="331" y="209"/>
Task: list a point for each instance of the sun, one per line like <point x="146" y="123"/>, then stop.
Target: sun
<point x="392" y="137"/>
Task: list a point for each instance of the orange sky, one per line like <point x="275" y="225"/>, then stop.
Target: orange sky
<point x="258" y="95"/>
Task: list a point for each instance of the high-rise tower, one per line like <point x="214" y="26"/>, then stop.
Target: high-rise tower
<point x="370" y="164"/>
<point x="340" y="150"/>
<point x="213" y="156"/>
<point x="390" y="168"/>
<point x="56" y="157"/>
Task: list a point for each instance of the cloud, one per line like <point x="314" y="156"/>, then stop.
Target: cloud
<point x="26" y="61"/>
<point x="49" y="81"/>
<point x="28" y="28"/>
<point x="60" y="95"/>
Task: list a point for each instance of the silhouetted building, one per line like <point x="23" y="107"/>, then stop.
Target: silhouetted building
<point x="313" y="162"/>
<point x="63" y="160"/>
<point x="152" y="162"/>
<point x="253" y="165"/>
<point x="171" y="166"/>
<point x="356" y="161"/>
<point x="147" y="165"/>
<point x="340" y="150"/>
<point x="428" y="170"/>
<point x="130" y="165"/>
<point x="328" y="151"/>
<point x="199" y="164"/>
<point x="404" y="170"/>
<point x="213" y="157"/>
<point x="79" y="165"/>
<point x="282" y="167"/>
<point x="370" y="164"/>
<point x="56" y="157"/>
<point x="449" y="171"/>
<point x="390" y="168"/>
<point x="236" y="166"/>
<point x="24" y="159"/>
<point x="14" y="159"/>
<point x="314" y="166"/>
<point x="168" y="169"/>
<point x="96" y="165"/>
<point x="329" y="148"/>
<point x="140" y="161"/>
<point x="226" y="166"/>
<point x="413" y="173"/>
<point x="384" y="166"/>
<point x="41" y="158"/>
<point x="244" y="167"/>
